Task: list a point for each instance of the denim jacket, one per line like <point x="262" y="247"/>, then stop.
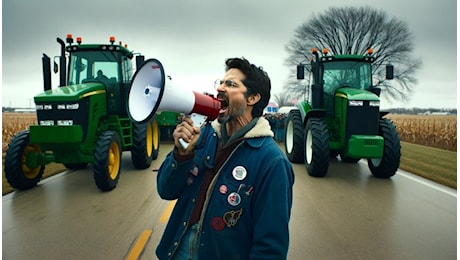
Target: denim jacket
<point x="248" y="205"/>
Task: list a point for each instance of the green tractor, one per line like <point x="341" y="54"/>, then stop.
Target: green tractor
<point x="85" y="120"/>
<point x="342" y="117"/>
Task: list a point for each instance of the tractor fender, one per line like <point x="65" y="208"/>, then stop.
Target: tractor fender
<point x="306" y="111"/>
<point x="383" y="113"/>
<point x="316" y="113"/>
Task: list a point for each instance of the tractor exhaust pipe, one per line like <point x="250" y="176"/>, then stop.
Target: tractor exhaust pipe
<point x="46" y="62"/>
<point x="62" y="64"/>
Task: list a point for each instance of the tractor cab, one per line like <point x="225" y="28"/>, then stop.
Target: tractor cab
<point x="331" y="73"/>
<point x="343" y="72"/>
<point x="109" y="64"/>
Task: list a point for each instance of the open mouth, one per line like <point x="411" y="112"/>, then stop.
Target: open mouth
<point x="224" y="105"/>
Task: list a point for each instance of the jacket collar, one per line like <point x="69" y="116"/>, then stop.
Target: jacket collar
<point x="261" y="129"/>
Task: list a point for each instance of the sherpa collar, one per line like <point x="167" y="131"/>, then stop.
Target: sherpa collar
<point x="261" y="129"/>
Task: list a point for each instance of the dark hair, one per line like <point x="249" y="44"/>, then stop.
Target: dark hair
<point x="257" y="81"/>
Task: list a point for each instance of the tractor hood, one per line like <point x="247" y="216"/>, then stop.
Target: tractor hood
<point x="356" y="94"/>
<point x="72" y="93"/>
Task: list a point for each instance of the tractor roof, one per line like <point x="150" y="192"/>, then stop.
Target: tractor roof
<point x="100" y="47"/>
<point x="347" y="57"/>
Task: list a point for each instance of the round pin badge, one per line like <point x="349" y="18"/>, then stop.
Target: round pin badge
<point x="234" y="199"/>
<point x="223" y="189"/>
<point x="217" y="223"/>
<point x="239" y="173"/>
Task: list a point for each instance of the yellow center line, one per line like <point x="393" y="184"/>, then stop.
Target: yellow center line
<point x="138" y="247"/>
<point x="141" y="241"/>
<point x="165" y="216"/>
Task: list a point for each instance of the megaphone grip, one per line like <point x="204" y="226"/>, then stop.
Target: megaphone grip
<point x="183" y="143"/>
<point x="198" y="121"/>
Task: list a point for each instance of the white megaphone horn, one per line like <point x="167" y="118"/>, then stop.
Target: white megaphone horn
<point x="151" y="92"/>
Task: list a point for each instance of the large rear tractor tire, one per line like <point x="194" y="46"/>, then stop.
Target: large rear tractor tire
<point x="293" y="138"/>
<point x="107" y="161"/>
<point x="316" y="147"/>
<point x="387" y="166"/>
<point x="19" y="174"/>
<point x="146" y="144"/>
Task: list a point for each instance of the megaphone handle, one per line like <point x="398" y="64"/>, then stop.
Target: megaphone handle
<point x="198" y="120"/>
<point x="183" y="143"/>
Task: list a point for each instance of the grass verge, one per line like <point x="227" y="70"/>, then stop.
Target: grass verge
<point x="431" y="163"/>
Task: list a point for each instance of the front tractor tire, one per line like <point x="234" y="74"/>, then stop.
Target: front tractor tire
<point x="387" y="166"/>
<point x="20" y="154"/>
<point x="316" y="147"/>
<point x="146" y="144"/>
<point x="293" y="137"/>
<point x="107" y="161"/>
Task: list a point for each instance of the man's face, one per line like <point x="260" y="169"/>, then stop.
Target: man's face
<point x="232" y="93"/>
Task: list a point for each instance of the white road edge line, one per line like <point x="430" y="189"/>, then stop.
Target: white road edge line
<point x="426" y="182"/>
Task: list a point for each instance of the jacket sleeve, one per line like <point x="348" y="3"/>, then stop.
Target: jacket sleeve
<point x="272" y="205"/>
<point x="172" y="177"/>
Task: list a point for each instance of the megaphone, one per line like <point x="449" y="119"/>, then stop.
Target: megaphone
<point x="151" y="92"/>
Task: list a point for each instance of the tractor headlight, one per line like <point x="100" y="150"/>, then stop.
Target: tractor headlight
<point x="38" y="107"/>
<point x="72" y="106"/>
<point x="64" y="122"/>
<point x="374" y="103"/>
<point x="46" y="122"/>
<point x="48" y="107"/>
<point x="355" y="103"/>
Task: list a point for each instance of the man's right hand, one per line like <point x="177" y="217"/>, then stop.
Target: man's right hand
<point x="188" y="133"/>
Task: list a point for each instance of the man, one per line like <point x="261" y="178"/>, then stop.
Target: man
<point x="232" y="183"/>
<point x="101" y="77"/>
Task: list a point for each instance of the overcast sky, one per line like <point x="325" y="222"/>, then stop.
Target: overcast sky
<point x="193" y="38"/>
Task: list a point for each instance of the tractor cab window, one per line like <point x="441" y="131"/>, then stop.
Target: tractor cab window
<point x="85" y="65"/>
<point x="78" y="70"/>
<point x="346" y="74"/>
<point x="127" y="70"/>
<point x="107" y="72"/>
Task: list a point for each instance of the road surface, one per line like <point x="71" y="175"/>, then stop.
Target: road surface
<point x="347" y="215"/>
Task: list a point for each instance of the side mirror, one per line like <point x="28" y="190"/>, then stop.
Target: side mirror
<point x="300" y="71"/>
<point x="389" y="71"/>
<point x="55" y="67"/>
<point x="139" y="61"/>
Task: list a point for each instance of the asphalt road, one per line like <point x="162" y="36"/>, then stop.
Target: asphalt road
<point x="347" y="215"/>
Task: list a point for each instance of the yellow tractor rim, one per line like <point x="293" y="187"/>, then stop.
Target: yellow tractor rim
<point x="113" y="163"/>
<point x="153" y="137"/>
<point x="156" y="135"/>
<point x="27" y="171"/>
<point x="148" y="139"/>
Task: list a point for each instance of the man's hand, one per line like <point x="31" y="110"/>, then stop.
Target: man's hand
<point x="188" y="133"/>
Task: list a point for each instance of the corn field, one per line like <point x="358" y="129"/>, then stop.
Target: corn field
<point x="12" y="123"/>
<point x="438" y="131"/>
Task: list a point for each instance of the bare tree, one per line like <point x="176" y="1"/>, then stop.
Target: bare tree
<point x="283" y="99"/>
<point x="352" y="30"/>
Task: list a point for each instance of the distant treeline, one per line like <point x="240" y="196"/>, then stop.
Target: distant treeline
<point x="419" y="111"/>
